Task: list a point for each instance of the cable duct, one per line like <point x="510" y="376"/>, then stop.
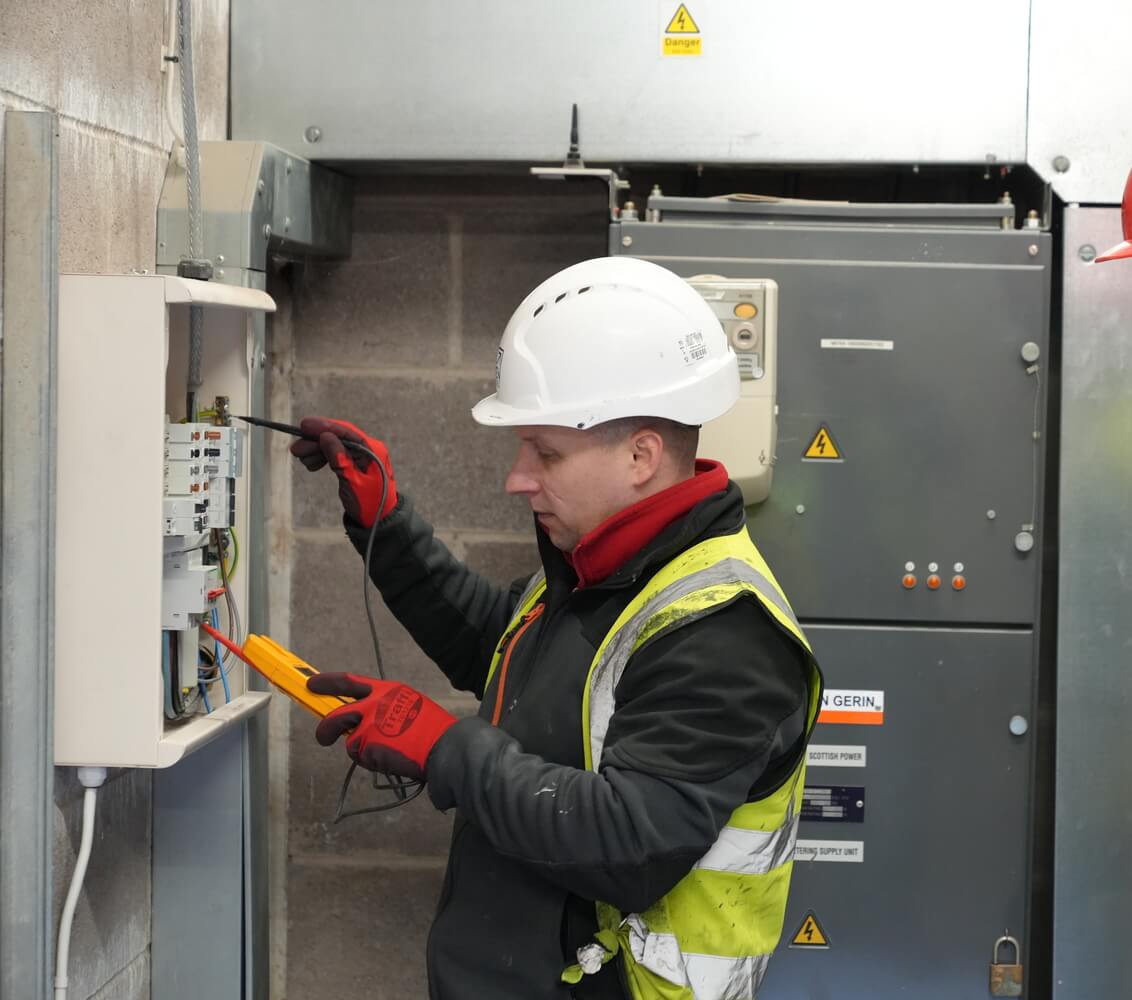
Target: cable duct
<point x="195" y="265"/>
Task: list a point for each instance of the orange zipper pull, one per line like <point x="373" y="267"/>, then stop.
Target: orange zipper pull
<point x="529" y="617"/>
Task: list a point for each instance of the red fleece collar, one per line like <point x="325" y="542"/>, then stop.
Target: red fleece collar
<point x="621" y="536"/>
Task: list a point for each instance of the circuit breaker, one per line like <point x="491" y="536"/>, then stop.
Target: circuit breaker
<point x="150" y="507"/>
<point x="743" y="439"/>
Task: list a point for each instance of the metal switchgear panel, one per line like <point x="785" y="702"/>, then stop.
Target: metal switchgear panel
<point x="908" y="460"/>
<point x="906" y="526"/>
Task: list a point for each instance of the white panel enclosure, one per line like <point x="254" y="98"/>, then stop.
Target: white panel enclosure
<point x="800" y="82"/>
<point x="1081" y="98"/>
<point x="121" y="369"/>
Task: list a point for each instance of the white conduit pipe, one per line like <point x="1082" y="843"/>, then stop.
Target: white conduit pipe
<point x="91" y="778"/>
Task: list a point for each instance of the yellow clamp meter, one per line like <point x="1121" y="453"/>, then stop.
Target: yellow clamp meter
<point x="284" y="669"/>
<point x="288" y="673"/>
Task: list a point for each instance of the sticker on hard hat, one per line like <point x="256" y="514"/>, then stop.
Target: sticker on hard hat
<point x="498" y="366"/>
<point x="692" y="347"/>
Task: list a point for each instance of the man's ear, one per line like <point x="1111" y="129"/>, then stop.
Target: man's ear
<point x="648" y="452"/>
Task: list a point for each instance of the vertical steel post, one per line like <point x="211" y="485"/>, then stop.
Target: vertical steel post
<point x="1092" y="870"/>
<point x="27" y="557"/>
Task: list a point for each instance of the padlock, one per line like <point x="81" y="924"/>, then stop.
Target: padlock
<point x="1006" y="980"/>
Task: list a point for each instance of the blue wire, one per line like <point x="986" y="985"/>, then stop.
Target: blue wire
<point x="220" y="658"/>
<point x="204" y="697"/>
<point x="165" y="673"/>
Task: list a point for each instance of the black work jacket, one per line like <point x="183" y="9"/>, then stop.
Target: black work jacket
<point x="707" y="716"/>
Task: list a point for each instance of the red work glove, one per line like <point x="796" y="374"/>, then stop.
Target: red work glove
<point x="395" y="727"/>
<point x="359" y="479"/>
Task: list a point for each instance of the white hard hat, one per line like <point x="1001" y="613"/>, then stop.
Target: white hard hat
<point x="608" y="338"/>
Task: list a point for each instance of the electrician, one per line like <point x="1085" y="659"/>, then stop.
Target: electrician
<point x="627" y="798"/>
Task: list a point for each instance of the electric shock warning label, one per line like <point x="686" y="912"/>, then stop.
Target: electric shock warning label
<point x="811" y="934"/>
<point x="681" y="35"/>
<point x="852" y="708"/>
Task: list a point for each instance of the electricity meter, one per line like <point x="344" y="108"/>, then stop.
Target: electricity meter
<point x="744" y="438"/>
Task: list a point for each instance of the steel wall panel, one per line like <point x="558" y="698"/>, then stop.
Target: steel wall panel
<point x="935" y="432"/>
<point x="945" y="831"/>
<point x="1080" y="93"/>
<point x="878" y="81"/>
<point x="1093" y="848"/>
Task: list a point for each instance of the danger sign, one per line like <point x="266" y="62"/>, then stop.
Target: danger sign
<point x="681" y="35"/>
<point x="810" y="934"/>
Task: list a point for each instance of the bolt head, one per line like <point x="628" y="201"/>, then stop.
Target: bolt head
<point x="313" y="133"/>
<point x="1061" y="164"/>
<point x="800" y="509"/>
<point x="1087" y="252"/>
<point x="267" y="230"/>
<point x="220" y="258"/>
<point x="1033" y="250"/>
<point x="626" y="241"/>
<point x="1019" y="725"/>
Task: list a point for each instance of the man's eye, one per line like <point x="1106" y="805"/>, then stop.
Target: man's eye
<point x="546" y="455"/>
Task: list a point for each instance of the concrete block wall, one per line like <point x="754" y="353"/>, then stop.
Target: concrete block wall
<point x="401" y="340"/>
<point x="98" y="65"/>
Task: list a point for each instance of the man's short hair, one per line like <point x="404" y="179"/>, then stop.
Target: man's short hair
<point x="681" y="441"/>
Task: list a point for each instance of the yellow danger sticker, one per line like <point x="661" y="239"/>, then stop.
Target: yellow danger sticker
<point x="823" y="448"/>
<point x="682" y="23"/>
<point x="682" y="35"/>
<point x="810" y="934"/>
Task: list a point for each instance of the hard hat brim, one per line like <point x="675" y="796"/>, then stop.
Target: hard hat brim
<point x="490" y="412"/>
<point x="1122" y="251"/>
<point x="717" y="390"/>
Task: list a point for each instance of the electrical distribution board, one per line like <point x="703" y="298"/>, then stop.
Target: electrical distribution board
<point x="148" y="551"/>
<point x="906" y="527"/>
<point x="743" y="439"/>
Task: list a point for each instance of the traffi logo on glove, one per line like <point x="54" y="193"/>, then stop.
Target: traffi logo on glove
<point x="397" y="711"/>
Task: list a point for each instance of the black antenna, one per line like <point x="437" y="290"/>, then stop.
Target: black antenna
<point x="574" y="157"/>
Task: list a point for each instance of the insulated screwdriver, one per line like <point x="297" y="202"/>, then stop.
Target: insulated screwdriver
<point x="295" y="431"/>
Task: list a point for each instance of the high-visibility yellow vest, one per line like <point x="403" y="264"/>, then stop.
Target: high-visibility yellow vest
<point x="711" y="936"/>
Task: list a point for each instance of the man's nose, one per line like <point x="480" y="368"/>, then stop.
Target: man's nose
<point x="519" y="481"/>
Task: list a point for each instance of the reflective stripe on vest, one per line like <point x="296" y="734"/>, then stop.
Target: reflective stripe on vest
<point x="614" y="654"/>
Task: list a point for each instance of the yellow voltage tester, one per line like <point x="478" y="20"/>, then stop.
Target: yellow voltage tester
<point x="283" y="668"/>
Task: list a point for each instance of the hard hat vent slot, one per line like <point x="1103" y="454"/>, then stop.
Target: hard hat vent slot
<point x="561" y="297"/>
<point x="582" y="291"/>
<point x="540" y="308"/>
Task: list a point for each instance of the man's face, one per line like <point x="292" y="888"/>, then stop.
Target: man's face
<point x="572" y="479"/>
